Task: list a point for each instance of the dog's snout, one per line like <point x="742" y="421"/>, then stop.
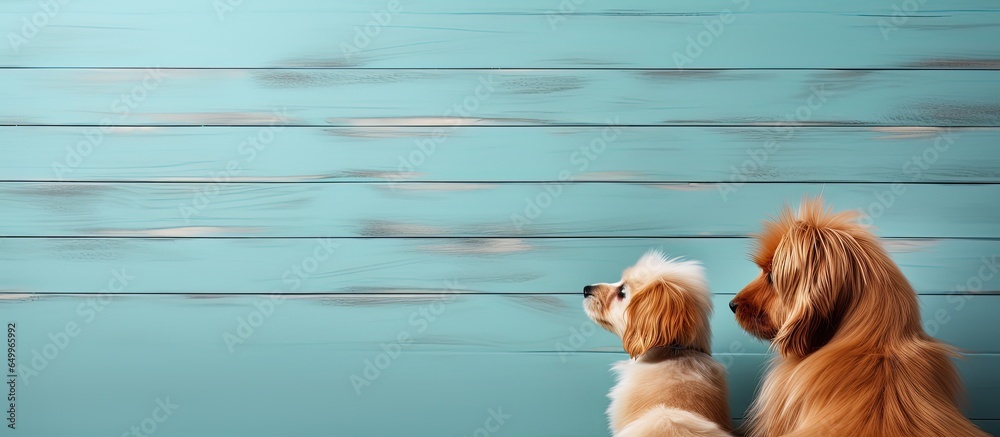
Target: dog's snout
<point x="733" y="304"/>
<point x="588" y="291"/>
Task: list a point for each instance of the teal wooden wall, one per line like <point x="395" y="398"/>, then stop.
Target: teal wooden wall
<point x="374" y="217"/>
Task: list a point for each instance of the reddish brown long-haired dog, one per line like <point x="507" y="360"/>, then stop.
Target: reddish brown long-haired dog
<point x="854" y="359"/>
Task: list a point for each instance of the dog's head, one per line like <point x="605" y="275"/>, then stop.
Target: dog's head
<point x="814" y="268"/>
<point x="657" y="302"/>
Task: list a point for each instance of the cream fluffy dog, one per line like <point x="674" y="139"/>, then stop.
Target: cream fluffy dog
<point x="672" y="386"/>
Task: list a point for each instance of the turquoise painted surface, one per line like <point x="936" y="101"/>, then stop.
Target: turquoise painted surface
<point x="239" y="206"/>
<point x="479" y="154"/>
<point x="461" y="323"/>
<point x="517" y="97"/>
<point x="511" y="34"/>
<point x="421" y="265"/>
<point x="381" y="210"/>
<point x="294" y="370"/>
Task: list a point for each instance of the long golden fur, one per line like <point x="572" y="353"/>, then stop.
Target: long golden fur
<point x="673" y="387"/>
<point x="853" y="359"/>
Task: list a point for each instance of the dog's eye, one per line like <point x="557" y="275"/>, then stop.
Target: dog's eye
<point x="621" y="292"/>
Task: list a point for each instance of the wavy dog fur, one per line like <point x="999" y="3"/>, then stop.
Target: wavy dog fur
<point x="853" y="359"/>
<point x="673" y="387"/>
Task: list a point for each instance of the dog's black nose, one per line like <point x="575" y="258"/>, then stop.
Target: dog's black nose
<point x="733" y="304"/>
<point x="588" y="291"/>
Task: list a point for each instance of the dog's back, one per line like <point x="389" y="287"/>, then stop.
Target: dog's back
<point x="682" y="393"/>
<point x="900" y="390"/>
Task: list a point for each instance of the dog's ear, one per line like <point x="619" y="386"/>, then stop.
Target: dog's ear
<point x="814" y="273"/>
<point x="662" y="314"/>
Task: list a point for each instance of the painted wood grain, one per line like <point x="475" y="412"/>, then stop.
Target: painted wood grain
<point x="990" y="426"/>
<point x="651" y="154"/>
<point x="314" y="217"/>
<point x="422" y="266"/>
<point x="272" y="381"/>
<point x="445" y="322"/>
<point x="521" y="34"/>
<point x="273" y="98"/>
<point x="307" y="390"/>
<point x="475" y="210"/>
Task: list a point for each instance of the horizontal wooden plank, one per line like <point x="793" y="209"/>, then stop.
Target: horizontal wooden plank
<point x="990" y="426"/>
<point x="523" y="34"/>
<point x="447" y="98"/>
<point x="446" y="322"/>
<point x="314" y="393"/>
<point x="175" y="355"/>
<point x="983" y="385"/>
<point x="653" y="154"/>
<point x="386" y="265"/>
<point x="474" y="210"/>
